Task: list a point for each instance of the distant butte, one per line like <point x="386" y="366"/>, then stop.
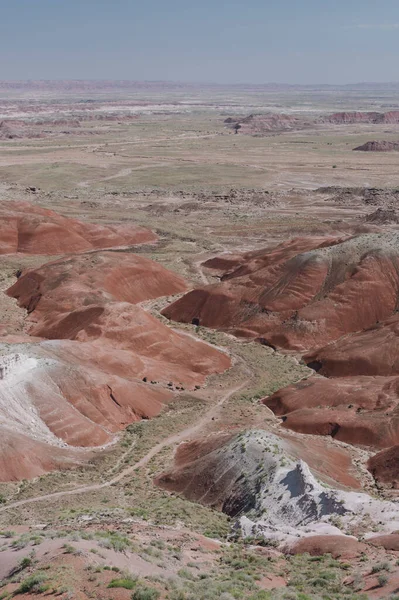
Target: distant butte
<point x="378" y="147"/>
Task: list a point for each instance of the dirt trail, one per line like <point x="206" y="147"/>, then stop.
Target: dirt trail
<point x="169" y="441"/>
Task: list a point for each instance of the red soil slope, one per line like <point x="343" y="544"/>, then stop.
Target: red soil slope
<point x="304" y="294"/>
<point x="339" y="546"/>
<point x="33" y="230"/>
<point x="22" y="457"/>
<point x="95" y="279"/>
<point x="358" y="410"/>
<point x="358" y="399"/>
<point x="384" y="467"/>
<point x="374" y="351"/>
<point x="92" y="299"/>
<point x="312" y="293"/>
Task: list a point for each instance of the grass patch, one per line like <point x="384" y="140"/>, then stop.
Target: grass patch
<point x="129" y="583"/>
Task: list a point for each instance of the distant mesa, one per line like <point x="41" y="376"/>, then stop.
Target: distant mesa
<point x="349" y="118"/>
<point x="378" y="147"/>
<point x="30" y="229"/>
<point x="35" y="127"/>
<point x="263" y="124"/>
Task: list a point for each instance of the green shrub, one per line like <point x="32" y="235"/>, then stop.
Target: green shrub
<point x="384" y="566"/>
<point x="145" y="593"/>
<point x="129" y="583"/>
<point x="382" y="579"/>
<point x="34" y="583"/>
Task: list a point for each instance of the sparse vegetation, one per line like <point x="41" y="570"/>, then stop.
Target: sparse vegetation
<point x="145" y="593"/>
<point x="33" y="583"/>
<point x="186" y="236"/>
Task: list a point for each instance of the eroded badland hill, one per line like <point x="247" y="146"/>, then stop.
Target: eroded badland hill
<point x="199" y="375"/>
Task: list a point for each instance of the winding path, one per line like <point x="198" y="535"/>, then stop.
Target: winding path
<point x="169" y="441"/>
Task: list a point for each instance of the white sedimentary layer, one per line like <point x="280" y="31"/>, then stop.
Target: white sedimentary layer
<point x="17" y="410"/>
<point x="291" y="503"/>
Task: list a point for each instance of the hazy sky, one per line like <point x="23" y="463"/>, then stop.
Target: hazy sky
<point x="255" y="41"/>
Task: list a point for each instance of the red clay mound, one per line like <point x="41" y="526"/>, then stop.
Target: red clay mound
<point x="90" y="298"/>
<point x="70" y="402"/>
<point x="380" y="146"/>
<point x="303" y="294"/>
<point x="364" y="393"/>
<point x="384" y="467"/>
<point x="329" y="462"/>
<point x="389" y="542"/>
<point x="371" y="352"/>
<point x="106" y="362"/>
<point x="357" y="410"/>
<point x="93" y="280"/>
<point x="193" y="472"/>
<point x="347" y="425"/>
<point x="152" y="349"/>
<point x="339" y="546"/>
<point x="33" y="230"/>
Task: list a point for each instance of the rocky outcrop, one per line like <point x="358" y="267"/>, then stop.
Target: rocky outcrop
<point x="383" y="216"/>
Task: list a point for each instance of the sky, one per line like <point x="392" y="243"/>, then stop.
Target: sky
<point x="220" y="41"/>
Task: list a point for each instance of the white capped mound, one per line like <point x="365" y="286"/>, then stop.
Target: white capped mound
<point x="18" y="373"/>
<point x="290" y="502"/>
